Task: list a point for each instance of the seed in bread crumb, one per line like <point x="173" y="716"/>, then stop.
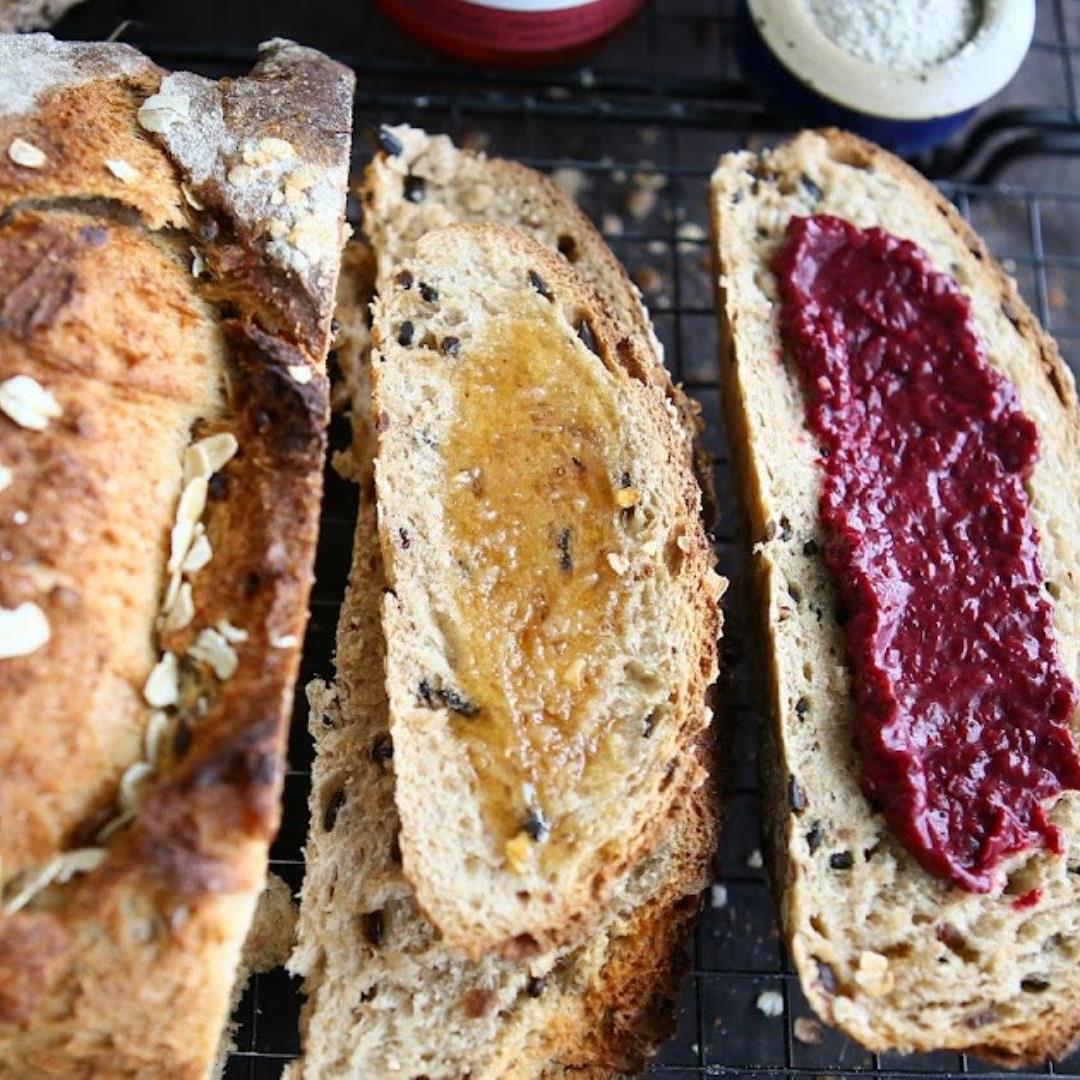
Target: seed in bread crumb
<point x="163" y="684"/>
<point x="428" y="293"/>
<point x="160" y="111"/>
<point x="518" y="851"/>
<point x="26" y="154"/>
<point x="300" y="373"/>
<point x="796" y="795"/>
<point x="841" y="860"/>
<point x="566" y="559"/>
<point x="538" y="283"/>
<point x="771" y="1003"/>
<point x="20" y="517"/>
<point x="808" y="1031"/>
<point x="718" y="896"/>
<point x="413" y="189"/>
<point x="404" y="279"/>
<point x="23" y="630"/>
<point x="588" y="339"/>
<point x="284" y="641"/>
<point x="535" y="986"/>
<point x="5" y="477"/>
<point x="450" y="346"/>
<point x="125" y="173"/>
<point x="388" y="141"/>
<point x="198" y="263"/>
<point x="24" y="400"/>
<point x="872" y="973"/>
<point x="754" y="859"/>
<point x="574" y="671"/>
<point x="627" y="497"/>
<point x="619" y="563"/>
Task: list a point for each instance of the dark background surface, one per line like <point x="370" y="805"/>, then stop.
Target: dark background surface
<point x="653" y="108"/>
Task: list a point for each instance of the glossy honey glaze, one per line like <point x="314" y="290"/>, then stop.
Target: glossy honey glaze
<point x="534" y="468"/>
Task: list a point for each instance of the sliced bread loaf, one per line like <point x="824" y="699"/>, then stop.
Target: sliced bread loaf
<point x="385" y="995"/>
<point x="894" y="957"/>
<point x="551" y="607"/>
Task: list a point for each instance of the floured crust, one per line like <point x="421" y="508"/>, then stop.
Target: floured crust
<point x="463" y="880"/>
<point x="409" y="1001"/>
<point x="893" y="957"/>
<point x="125" y="969"/>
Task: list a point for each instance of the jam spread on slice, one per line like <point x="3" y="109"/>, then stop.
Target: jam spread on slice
<point x="532" y="515"/>
<point x="962" y="706"/>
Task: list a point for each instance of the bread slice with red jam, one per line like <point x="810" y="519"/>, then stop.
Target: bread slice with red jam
<point x="908" y="449"/>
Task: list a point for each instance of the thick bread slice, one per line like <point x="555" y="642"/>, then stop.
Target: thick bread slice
<point x="894" y="957"/>
<point x="419" y="182"/>
<point x="549" y="646"/>
<point x="395" y="1000"/>
<point x="142" y="743"/>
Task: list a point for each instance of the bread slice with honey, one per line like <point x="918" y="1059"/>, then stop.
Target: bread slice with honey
<point x="550" y="610"/>
<point x="385" y="993"/>
<point x="891" y="955"/>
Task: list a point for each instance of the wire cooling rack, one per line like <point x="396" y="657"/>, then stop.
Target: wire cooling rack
<point x="635" y="134"/>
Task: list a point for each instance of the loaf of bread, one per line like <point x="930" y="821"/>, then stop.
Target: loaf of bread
<point x="169" y="248"/>
<point x="424" y="1010"/>
<point x="891" y="955"/>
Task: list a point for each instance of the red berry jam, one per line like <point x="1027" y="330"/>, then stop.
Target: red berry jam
<point x="962" y="705"/>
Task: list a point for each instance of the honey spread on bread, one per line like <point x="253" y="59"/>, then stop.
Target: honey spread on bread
<point x="534" y="509"/>
<point x="962" y="705"/>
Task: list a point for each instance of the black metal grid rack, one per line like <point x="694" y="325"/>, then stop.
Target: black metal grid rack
<point x="662" y="99"/>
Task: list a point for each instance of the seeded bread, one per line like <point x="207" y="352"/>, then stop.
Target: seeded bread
<point x="164" y="319"/>
<point x="418" y="182"/>
<point x="892" y="956"/>
<point x="530" y="473"/>
<point x="385" y="996"/>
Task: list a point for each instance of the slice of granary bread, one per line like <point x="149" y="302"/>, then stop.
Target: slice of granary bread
<point x="385" y="993"/>
<point x="893" y="956"/>
<point x="551" y="610"/>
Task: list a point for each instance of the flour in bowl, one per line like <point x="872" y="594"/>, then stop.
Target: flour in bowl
<point x="903" y="34"/>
